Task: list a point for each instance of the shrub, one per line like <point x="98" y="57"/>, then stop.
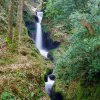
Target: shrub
<point x="82" y="59"/>
<point x="68" y="13"/>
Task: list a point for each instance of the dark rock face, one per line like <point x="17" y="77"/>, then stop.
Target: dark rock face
<point x="48" y="43"/>
<point x="56" y="95"/>
<point x="52" y="77"/>
<point x="36" y="19"/>
<point x="48" y="72"/>
<point x="31" y="27"/>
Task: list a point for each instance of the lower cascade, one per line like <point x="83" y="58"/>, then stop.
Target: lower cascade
<point x="39" y="40"/>
<point x="49" y="79"/>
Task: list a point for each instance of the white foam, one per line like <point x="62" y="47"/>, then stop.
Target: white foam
<point x="44" y="53"/>
<point x="48" y="85"/>
<point x="40" y="16"/>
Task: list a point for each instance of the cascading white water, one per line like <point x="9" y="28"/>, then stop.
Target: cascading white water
<point x="39" y="40"/>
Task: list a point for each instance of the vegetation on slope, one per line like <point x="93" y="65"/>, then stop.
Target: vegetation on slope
<point x="78" y="61"/>
<point x="22" y="68"/>
<point x="74" y="23"/>
<point x="22" y="74"/>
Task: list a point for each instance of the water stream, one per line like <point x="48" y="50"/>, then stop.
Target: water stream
<point x="39" y="42"/>
<point x="39" y="39"/>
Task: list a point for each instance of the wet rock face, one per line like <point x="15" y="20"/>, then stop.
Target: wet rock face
<point x="48" y="42"/>
<point x="36" y="1"/>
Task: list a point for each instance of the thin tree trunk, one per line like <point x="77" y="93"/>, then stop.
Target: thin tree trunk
<point x="10" y="20"/>
<point x="19" y="15"/>
<point x="88" y="26"/>
<point x="19" y="21"/>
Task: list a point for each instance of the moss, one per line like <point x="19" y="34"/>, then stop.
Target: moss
<point x="79" y="92"/>
<point x="24" y="74"/>
<point x="76" y="91"/>
<point x="88" y="92"/>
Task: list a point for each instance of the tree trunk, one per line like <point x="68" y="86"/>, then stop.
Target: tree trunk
<point x="88" y="26"/>
<point x="19" y="22"/>
<point x="10" y="20"/>
<point x="19" y="16"/>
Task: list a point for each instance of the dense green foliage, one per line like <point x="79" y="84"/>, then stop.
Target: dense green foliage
<point x="3" y="16"/>
<point x="81" y="60"/>
<point x="83" y="52"/>
<point x="4" y="12"/>
<point x="68" y="13"/>
<point x="21" y="66"/>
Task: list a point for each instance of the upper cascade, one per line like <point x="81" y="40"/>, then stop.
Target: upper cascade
<point x="39" y="34"/>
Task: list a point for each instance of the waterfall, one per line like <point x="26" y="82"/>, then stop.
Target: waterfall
<point x="39" y="40"/>
<point x="39" y="43"/>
